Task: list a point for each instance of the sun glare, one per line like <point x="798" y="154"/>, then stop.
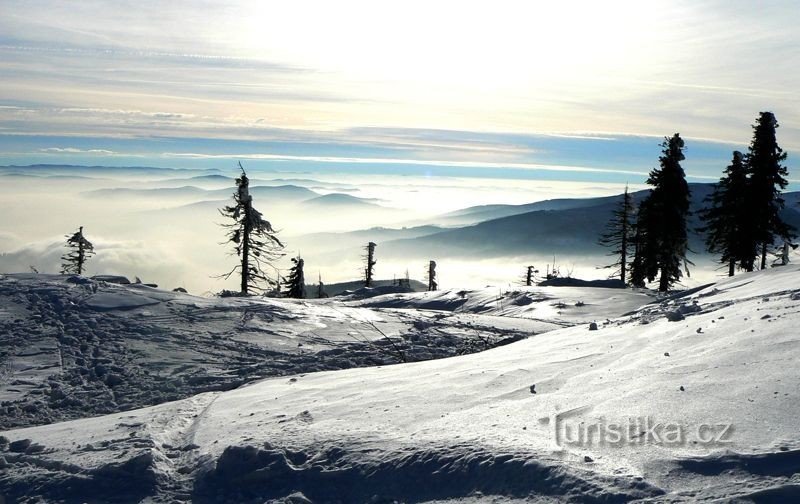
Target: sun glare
<point x="474" y="45"/>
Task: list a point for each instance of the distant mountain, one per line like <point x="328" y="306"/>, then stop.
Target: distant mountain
<point x="348" y="241"/>
<point x="310" y="183"/>
<point x="376" y="234"/>
<point x="571" y="229"/>
<point x="482" y="213"/>
<point x="335" y="289"/>
<point x="341" y="200"/>
<point x="283" y="193"/>
<point x="44" y="176"/>
<point x="159" y="192"/>
<point x="60" y="169"/>
<point x="213" y="177"/>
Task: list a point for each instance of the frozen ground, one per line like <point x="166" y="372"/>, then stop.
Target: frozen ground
<point x="704" y="384"/>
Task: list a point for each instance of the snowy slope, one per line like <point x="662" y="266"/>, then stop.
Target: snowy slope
<point x="497" y="423"/>
<point x="73" y="348"/>
<point x="564" y="306"/>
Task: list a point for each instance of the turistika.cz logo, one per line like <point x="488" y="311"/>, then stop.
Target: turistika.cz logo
<point x="571" y="428"/>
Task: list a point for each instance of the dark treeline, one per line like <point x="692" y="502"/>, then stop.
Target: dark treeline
<point x="741" y="217"/>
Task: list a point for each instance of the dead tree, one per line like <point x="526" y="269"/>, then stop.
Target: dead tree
<point x="369" y="268"/>
<point x="321" y="287"/>
<point x="619" y="235"/>
<point x="432" y="283"/>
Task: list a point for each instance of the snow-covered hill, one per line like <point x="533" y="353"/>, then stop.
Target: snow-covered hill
<point x="701" y="390"/>
<point x="74" y="347"/>
<point x="564" y="306"/>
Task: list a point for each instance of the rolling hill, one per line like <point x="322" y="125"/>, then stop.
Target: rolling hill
<point x="563" y="227"/>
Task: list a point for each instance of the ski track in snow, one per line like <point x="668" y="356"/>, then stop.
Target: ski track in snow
<point x="472" y="428"/>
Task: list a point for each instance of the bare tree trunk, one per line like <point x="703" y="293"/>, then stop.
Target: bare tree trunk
<point x="624" y="256"/>
<point x="80" y="250"/>
<point x="663" y="283"/>
<point x="432" y="284"/>
<point x="370" y="264"/>
<point x="246" y="249"/>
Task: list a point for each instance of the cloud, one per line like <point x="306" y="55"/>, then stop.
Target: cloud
<point x="122" y="112"/>
<point x="388" y="161"/>
<point x="349" y="78"/>
<point x="130" y="258"/>
<point x="75" y="150"/>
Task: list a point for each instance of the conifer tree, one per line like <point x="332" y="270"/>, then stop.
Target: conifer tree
<point x="296" y="283"/>
<point x="80" y="249"/>
<point x="619" y="235"/>
<point x="321" y="287"/>
<point x="662" y="240"/>
<point x="727" y="216"/>
<point x="767" y="180"/>
<point x="255" y="241"/>
<point x="530" y="271"/>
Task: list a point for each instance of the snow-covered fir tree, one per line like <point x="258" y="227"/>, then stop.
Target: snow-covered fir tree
<point x="296" y="282"/>
<point x="255" y="241"/>
<point x="80" y="249"/>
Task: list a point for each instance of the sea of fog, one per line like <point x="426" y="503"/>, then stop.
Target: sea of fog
<point x="163" y="225"/>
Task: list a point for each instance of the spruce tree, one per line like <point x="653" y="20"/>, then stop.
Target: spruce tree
<point x="663" y="241"/>
<point x="255" y="241"/>
<point x="530" y="271"/>
<point x="321" y="287"/>
<point x="619" y="235"/>
<point x="767" y="180"/>
<point x="727" y="216"/>
<point x="296" y="283"/>
<point x="80" y="249"/>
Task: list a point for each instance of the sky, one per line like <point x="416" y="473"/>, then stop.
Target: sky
<point x="564" y="90"/>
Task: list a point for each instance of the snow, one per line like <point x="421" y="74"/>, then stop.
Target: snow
<point x="556" y="305"/>
<point x="467" y="427"/>
<point x="76" y="346"/>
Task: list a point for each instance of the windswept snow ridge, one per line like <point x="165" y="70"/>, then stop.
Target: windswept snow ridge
<point x="704" y="385"/>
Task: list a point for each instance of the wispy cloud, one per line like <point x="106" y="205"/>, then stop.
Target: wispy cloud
<point x="326" y="79"/>
<point x="388" y="161"/>
<point x="74" y="150"/>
